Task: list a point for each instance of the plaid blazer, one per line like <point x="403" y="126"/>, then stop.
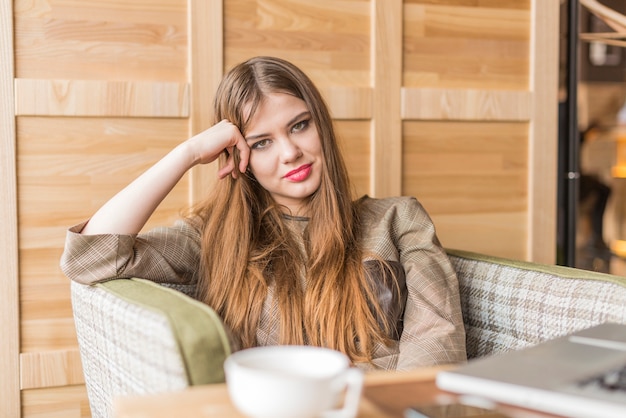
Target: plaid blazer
<point x="427" y="310"/>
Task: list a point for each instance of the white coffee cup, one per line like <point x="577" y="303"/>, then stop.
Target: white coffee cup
<point x="293" y="382"/>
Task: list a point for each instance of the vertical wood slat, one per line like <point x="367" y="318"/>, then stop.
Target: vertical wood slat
<point x="206" y="63"/>
<point x="543" y="152"/>
<point x="9" y="288"/>
<point x="386" y="69"/>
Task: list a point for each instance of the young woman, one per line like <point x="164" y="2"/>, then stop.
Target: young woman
<point x="279" y="248"/>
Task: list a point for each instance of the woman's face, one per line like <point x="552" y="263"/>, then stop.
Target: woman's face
<point x="285" y="150"/>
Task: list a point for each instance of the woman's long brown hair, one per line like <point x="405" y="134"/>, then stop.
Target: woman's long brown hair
<point x="324" y="297"/>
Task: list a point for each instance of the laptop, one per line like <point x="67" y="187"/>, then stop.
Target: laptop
<point x="579" y="375"/>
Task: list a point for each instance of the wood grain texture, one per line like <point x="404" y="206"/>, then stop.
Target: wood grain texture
<point x="56" y="402"/>
<point x="465" y="104"/>
<point x="329" y="39"/>
<point x="543" y="152"/>
<point x="68" y="167"/>
<point x="354" y="141"/>
<point x="468" y="44"/>
<point x="386" y="139"/>
<point x="206" y="62"/>
<point x="101" y="98"/>
<point x="348" y="102"/>
<point x="472" y="179"/>
<point x="9" y="283"/>
<point x="50" y="368"/>
<point x="134" y="40"/>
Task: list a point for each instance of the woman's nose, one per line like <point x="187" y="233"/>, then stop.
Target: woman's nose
<point x="289" y="150"/>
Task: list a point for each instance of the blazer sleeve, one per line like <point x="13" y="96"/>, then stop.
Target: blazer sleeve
<point x="164" y="254"/>
<point x="433" y="330"/>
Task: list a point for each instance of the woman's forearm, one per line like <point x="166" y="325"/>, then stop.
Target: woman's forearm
<point x="129" y="210"/>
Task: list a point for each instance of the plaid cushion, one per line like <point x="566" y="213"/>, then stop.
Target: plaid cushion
<point x="508" y="305"/>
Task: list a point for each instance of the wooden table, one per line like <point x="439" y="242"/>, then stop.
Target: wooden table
<point x="386" y="395"/>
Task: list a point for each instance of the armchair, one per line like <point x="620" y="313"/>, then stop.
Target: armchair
<point x="138" y="337"/>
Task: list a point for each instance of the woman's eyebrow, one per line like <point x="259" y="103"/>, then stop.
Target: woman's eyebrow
<point x="299" y="116"/>
<point x="291" y="122"/>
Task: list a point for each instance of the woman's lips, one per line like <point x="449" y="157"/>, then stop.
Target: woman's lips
<point x="299" y="174"/>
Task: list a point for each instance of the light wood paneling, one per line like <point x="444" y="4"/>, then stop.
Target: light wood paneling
<point x="503" y="234"/>
<point x="473" y="174"/>
<point x="349" y="102"/>
<point x="50" y="368"/>
<point x="354" y="140"/>
<point x="206" y="62"/>
<point x="101" y="98"/>
<point x="469" y="44"/>
<point x="136" y="40"/>
<point x="465" y="104"/>
<point x="117" y="74"/>
<point x="68" y="167"/>
<point x="386" y="157"/>
<point x="48" y="334"/>
<point x="329" y="39"/>
<point x="57" y="402"/>
<point x="543" y="152"/>
<point x="9" y="279"/>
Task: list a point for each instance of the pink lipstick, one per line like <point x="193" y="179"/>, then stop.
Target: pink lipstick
<point x="299" y="174"/>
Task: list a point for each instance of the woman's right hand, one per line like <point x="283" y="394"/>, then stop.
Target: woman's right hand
<point x="209" y="144"/>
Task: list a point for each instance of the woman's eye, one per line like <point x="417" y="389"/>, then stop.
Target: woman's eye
<point x="260" y="144"/>
<point x="300" y="126"/>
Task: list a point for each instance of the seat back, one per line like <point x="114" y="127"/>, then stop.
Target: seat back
<point x="509" y="304"/>
<point x="137" y="337"/>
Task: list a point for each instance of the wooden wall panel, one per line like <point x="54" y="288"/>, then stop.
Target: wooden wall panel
<point x="56" y="402"/>
<point x="9" y="275"/>
<point x="465" y="104"/>
<point x="472" y="178"/>
<point x="101" y="93"/>
<point x="330" y="39"/>
<point x="386" y="70"/>
<point x="447" y="100"/>
<point x="101" y="40"/>
<point x="466" y="76"/>
<point x="354" y="140"/>
<point x="490" y="61"/>
<point x="543" y="145"/>
<point x="51" y="368"/>
<point x="67" y="168"/>
<point x="467" y="44"/>
<point x="101" y="98"/>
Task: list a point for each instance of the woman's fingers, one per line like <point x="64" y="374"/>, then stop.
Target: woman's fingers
<point x="223" y="137"/>
<point x="227" y="169"/>
<point x="244" y="155"/>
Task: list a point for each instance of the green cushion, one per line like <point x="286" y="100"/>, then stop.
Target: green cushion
<point x="199" y="331"/>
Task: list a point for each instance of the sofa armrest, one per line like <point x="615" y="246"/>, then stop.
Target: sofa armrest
<point x="137" y="337"/>
<point x="511" y="304"/>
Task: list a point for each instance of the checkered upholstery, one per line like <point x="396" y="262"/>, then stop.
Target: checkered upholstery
<point x="508" y="305"/>
<point x="138" y="337"/>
